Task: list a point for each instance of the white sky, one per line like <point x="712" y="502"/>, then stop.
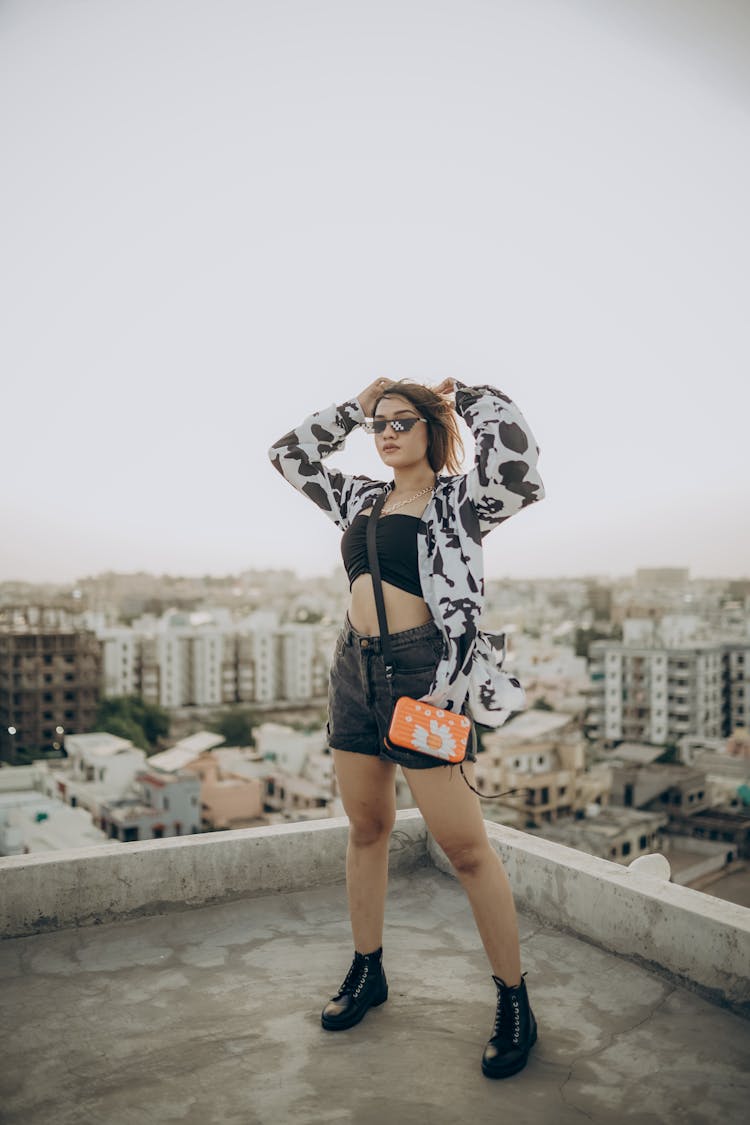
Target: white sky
<point x="218" y="216"/>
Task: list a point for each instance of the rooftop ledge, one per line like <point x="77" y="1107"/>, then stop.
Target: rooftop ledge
<point x="697" y="940"/>
<point x="182" y="980"/>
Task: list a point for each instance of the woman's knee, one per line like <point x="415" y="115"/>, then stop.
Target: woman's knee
<point x="372" y="828"/>
<point x="467" y="857"/>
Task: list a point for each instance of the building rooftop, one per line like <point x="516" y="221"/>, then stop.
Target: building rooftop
<point x="533" y="724"/>
<point x="28" y="819"/>
<point x="178" y="1008"/>
<point x="98" y="742"/>
<point x="595" y="834"/>
<point x="195" y="744"/>
<point x="635" y="753"/>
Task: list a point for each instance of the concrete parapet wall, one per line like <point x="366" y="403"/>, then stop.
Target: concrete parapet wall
<point x="111" y="882"/>
<point x="697" y="939"/>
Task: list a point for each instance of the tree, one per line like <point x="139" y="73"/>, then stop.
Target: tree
<point x="236" y="725"/>
<point x="541" y="704"/>
<point x="129" y="716"/>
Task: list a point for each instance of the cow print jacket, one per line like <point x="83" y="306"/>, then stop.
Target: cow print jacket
<point x="463" y="509"/>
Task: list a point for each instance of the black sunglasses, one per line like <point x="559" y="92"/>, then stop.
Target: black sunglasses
<point x="398" y="425"/>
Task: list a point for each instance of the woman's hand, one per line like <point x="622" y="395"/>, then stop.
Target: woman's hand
<point x="370" y="395"/>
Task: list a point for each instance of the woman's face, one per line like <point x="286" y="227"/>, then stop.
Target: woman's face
<point x="397" y="448"/>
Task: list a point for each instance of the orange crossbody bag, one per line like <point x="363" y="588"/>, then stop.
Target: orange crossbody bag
<point x="416" y="725"/>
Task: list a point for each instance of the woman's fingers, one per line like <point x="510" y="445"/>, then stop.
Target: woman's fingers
<point x="370" y="395"/>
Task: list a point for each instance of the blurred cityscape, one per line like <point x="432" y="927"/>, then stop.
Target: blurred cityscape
<point x="135" y="706"/>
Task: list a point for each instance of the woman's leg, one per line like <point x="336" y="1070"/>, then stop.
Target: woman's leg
<point x="454" y="817"/>
<point x="368" y="792"/>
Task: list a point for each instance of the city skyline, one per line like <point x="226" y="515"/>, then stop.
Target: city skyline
<point x="220" y="218"/>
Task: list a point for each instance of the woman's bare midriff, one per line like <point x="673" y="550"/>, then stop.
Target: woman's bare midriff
<point x="402" y="610"/>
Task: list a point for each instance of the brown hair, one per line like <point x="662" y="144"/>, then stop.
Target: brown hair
<point x="445" y="449"/>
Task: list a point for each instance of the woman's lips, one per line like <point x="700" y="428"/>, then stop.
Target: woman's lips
<point x="389" y="448"/>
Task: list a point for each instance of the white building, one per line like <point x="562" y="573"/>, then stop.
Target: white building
<point x="194" y="660"/>
<point x="99" y="767"/>
<point x="655" y="694"/>
<point x="32" y="820"/>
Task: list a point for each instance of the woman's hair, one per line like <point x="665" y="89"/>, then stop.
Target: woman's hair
<point x="445" y="449"/>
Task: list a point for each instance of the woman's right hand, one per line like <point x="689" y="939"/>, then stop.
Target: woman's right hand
<point x="370" y="395"/>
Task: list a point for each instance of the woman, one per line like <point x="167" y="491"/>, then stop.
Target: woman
<point x="429" y="542"/>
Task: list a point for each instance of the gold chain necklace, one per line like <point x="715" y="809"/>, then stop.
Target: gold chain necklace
<point x="403" y="503"/>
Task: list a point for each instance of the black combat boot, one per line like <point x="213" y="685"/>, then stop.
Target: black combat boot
<point x="514" y="1033"/>
<point x="364" y="987"/>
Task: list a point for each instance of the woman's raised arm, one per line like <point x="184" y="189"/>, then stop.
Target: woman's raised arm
<point x="299" y="457"/>
<point x="504" y="478"/>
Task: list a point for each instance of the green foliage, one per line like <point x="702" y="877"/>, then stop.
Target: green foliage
<point x="541" y="704"/>
<point x="584" y="637"/>
<point x="129" y="716"/>
<point x="236" y="725"/>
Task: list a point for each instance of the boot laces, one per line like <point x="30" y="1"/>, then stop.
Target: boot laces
<point x="355" y="979"/>
<point x="507" y="1018"/>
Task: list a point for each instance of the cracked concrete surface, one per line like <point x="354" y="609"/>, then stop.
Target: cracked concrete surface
<point x="212" y="1015"/>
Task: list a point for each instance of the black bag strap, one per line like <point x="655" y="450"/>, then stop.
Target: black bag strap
<point x="385" y="643"/>
<point x="377" y="585"/>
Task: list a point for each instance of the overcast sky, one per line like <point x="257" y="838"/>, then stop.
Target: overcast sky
<point x="220" y="215"/>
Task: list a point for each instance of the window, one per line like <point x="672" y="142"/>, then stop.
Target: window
<point x="626" y="848"/>
<point x="643" y="842"/>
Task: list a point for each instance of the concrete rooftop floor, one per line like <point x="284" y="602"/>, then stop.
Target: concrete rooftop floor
<point x="212" y="1015"/>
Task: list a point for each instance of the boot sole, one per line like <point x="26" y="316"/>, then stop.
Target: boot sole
<point x="333" y="1025"/>
<point x="514" y="1069"/>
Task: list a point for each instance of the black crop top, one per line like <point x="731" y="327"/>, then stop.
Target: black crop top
<point x="396" y="541"/>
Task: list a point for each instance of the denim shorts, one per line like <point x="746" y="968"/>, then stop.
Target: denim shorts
<point x="360" y="701"/>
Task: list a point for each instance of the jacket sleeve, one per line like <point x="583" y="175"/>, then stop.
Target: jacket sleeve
<point x="504" y="478"/>
<point x="299" y="457"/>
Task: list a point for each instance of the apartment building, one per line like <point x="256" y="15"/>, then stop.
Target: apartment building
<point x="650" y="693"/>
<point x="160" y="805"/>
<point x="50" y="677"/>
<point x="175" y="663"/>
<point x="541" y="754"/>
<point x="98" y="767"/>
<point x="736" y="687"/>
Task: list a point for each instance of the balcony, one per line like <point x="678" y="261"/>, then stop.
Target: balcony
<point x="182" y="980"/>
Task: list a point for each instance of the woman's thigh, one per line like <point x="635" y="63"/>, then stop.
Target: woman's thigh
<point x="367" y="786"/>
<point x="451" y="811"/>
